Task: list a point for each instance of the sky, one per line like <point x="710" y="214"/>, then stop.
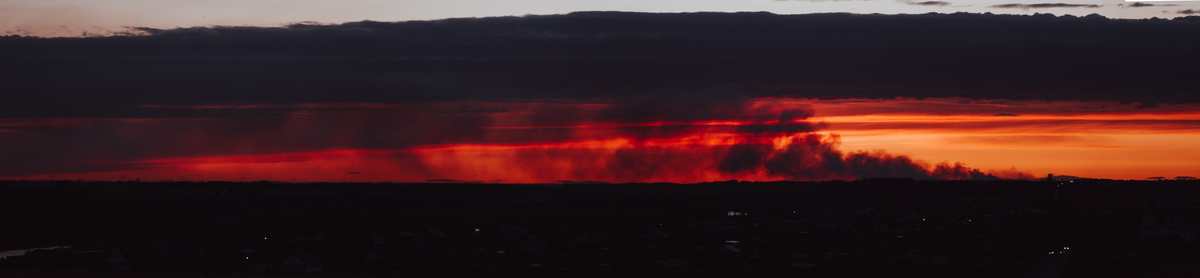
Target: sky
<point x="596" y="96"/>
<point x="102" y="17"/>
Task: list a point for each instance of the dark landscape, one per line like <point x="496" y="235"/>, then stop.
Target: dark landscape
<point x="863" y="228"/>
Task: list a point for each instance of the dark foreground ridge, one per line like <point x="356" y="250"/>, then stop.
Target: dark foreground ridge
<point x="868" y="228"/>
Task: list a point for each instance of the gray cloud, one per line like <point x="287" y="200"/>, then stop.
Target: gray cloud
<point x="926" y="3"/>
<point x="1043" y="6"/>
<point x="1142" y="5"/>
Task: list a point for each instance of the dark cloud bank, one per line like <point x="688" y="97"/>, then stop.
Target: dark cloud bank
<point x="606" y="55"/>
<point x="642" y="67"/>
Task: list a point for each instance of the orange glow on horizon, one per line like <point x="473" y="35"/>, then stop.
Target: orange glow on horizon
<point x="529" y="142"/>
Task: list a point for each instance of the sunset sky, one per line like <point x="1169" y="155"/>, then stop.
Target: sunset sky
<point x="308" y="91"/>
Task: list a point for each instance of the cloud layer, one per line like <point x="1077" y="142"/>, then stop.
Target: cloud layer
<point x="927" y="3"/>
<point x="637" y="91"/>
<point x="604" y="55"/>
<point x="1046" y="6"/>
